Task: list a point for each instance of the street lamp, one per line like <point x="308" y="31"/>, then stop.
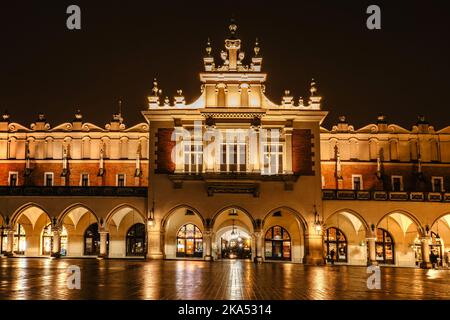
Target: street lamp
<point x="317" y="221"/>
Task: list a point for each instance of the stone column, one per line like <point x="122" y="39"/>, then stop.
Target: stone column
<point x="259" y="246"/>
<point x="155" y="240"/>
<point x="103" y="244"/>
<point x="425" y="264"/>
<point x="10" y="247"/>
<point x="207" y="240"/>
<point x="256" y="152"/>
<point x="56" y="243"/>
<point x="371" y="259"/>
<point x="314" y="242"/>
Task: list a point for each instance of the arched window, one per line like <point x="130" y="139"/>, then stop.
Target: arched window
<point x="189" y="241"/>
<point x="92" y="240"/>
<point x="46" y="243"/>
<point x="20" y="243"/>
<point x="136" y="240"/>
<point x="384" y="247"/>
<point x="336" y="242"/>
<point x="277" y="244"/>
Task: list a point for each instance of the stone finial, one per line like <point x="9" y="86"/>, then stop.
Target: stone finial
<point x="342" y="119"/>
<point x="78" y="115"/>
<point x="241" y="55"/>
<point x="381" y="119"/>
<point x="208" y="47"/>
<point x="233" y="27"/>
<point x="256" y="49"/>
<point x="6" y="116"/>
<point x="313" y="88"/>
<point x="421" y="120"/>
<point x="166" y="101"/>
<point x="156" y="91"/>
<point x="314" y="99"/>
<point x="41" y="117"/>
<point x="153" y="100"/>
<point x="288" y="99"/>
<point x="179" y="98"/>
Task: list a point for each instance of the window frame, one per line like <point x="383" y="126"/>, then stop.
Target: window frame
<point x="52" y="174"/>
<point x="361" y="184"/>
<point x="10" y="173"/>
<point x="124" y="179"/>
<point x="81" y="180"/>
<point x="433" y="178"/>
<point x="401" y="183"/>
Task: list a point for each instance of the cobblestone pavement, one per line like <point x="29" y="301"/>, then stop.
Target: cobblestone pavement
<point x="28" y="278"/>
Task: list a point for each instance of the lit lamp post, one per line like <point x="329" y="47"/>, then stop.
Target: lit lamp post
<point x="318" y="223"/>
<point x="151" y="216"/>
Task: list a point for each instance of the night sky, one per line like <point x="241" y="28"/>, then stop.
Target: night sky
<point x="401" y="70"/>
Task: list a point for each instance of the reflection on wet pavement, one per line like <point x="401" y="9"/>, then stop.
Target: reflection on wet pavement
<point x="22" y="278"/>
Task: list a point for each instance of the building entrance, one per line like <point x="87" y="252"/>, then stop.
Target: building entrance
<point x="235" y="244"/>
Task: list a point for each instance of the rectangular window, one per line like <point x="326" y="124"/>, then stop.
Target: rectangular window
<point x="357" y="183"/>
<point x="84" y="180"/>
<point x="48" y="179"/>
<point x="233" y="153"/>
<point x="121" y="180"/>
<point x="437" y="184"/>
<point x="193" y="156"/>
<point x="272" y="158"/>
<point x="13" y="179"/>
<point x="397" y="183"/>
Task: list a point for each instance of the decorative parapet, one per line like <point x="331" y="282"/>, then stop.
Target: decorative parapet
<point x="333" y="194"/>
<point x="75" y="191"/>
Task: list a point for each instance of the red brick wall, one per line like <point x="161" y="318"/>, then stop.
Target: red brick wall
<point x="164" y="163"/>
<point x="301" y="152"/>
<point x="371" y="181"/>
<point x="76" y="169"/>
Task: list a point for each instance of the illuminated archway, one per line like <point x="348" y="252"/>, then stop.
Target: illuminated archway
<point x="126" y="231"/>
<point x="294" y="224"/>
<point x="356" y="230"/>
<point x="75" y="220"/>
<point x="173" y="223"/>
<point x="400" y="231"/>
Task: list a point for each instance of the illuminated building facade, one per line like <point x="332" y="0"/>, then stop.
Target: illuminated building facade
<point x="230" y="175"/>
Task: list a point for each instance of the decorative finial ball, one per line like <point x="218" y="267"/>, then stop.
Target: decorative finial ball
<point x="78" y="115"/>
<point x="223" y="55"/>
<point x="287" y="92"/>
<point x="5" y="116"/>
<point x="232" y="27"/>
<point x="208" y="47"/>
<point x="313" y="86"/>
<point x="421" y="118"/>
<point x="179" y="92"/>
<point x="381" y="117"/>
<point x="257" y="48"/>
<point x="241" y="55"/>
<point x="342" y="119"/>
<point x="41" y="116"/>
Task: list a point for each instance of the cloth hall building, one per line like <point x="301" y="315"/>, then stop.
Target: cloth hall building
<point x="231" y="175"/>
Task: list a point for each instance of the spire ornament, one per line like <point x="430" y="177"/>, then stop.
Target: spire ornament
<point x="256" y="49"/>
<point x="153" y="100"/>
<point x="208" y="48"/>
